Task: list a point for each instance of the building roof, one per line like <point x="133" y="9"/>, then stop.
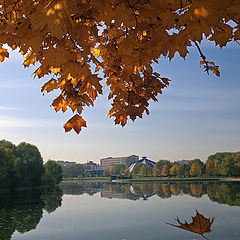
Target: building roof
<point x="145" y="161"/>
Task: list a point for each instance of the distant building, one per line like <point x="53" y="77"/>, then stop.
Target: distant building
<point x="129" y="160"/>
<point x="181" y="162"/>
<point x="111" y="162"/>
<point x="65" y="163"/>
<point x="94" y="169"/>
<point x="145" y="161"/>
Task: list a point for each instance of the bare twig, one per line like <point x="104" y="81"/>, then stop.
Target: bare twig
<point x="4" y="6"/>
<point x="237" y="42"/>
<point x="133" y="11"/>
<point x="74" y="43"/>
<point x="202" y="56"/>
<point x="181" y="6"/>
<point x="205" y="237"/>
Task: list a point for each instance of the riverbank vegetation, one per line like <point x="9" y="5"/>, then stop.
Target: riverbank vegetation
<point x="218" y="165"/>
<point x="22" y="166"/>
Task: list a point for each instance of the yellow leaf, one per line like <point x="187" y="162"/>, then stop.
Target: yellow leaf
<point x="201" y="12"/>
<point x="96" y="52"/>
<point x="50" y="85"/>
<point x="30" y="59"/>
<point x="54" y="70"/>
<point x="3" y="54"/>
<point x="98" y="68"/>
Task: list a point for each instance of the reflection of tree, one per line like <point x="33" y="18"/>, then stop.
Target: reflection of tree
<point x="22" y="211"/>
<point x="52" y="199"/>
<point x="175" y="188"/>
<point x="77" y="188"/>
<point x="166" y="190"/>
<point x="196" y="189"/>
<point x="228" y="193"/>
<point x="7" y="228"/>
<point x="224" y="193"/>
<point x="27" y="217"/>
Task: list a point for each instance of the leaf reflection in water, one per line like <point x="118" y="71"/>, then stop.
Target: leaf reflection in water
<point x="199" y="224"/>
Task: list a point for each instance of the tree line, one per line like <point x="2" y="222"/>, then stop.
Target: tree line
<point x="217" y="165"/>
<point x="224" y="164"/>
<point x="75" y="170"/>
<point x="22" y="166"/>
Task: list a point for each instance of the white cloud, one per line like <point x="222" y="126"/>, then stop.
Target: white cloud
<point x="7" y="108"/>
<point x="16" y="122"/>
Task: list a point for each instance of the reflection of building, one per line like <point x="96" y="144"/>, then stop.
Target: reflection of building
<point x="110" y="161"/>
<point x="145" y="161"/>
<point x="122" y="195"/>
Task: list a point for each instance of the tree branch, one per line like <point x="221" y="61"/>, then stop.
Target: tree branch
<point x="202" y="56"/>
<point x="237" y="42"/>
<point x="133" y="11"/>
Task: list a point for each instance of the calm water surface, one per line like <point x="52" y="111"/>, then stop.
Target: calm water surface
<point x="96" y="211"/>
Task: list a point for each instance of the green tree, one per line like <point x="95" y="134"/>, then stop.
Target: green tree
<point x="156" y="171"/>
<point x="32" y="164"/>
<point x="165" y="170"/>
<point x="74" y="170"/>
<point x="122" y="170"/>
<point x="53" y="173"/>
<point x="112" y="171"/>
<point x="195" y="170"/>
<point x="116" y="169"/>
<point x="143" y="170"/>
<point x="106" y="172"/>
<point x="210" y="168"/>
<point x="216" y="167"/>
<point x="6" y="167"/>
<point x="175" y="170"/>
<point x="136" y="168"/>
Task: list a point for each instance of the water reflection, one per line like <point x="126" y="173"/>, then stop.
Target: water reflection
<point x="22" y="211"/>
<point x="221" y="192"/>
<point x="96" y="213"/>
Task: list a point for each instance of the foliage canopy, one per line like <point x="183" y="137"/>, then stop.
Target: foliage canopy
<point x="81" y="42"/>
<point x="22" y="166"/>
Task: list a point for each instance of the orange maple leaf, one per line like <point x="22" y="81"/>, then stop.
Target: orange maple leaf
<point x="199" y="224"/>
<point x="76" y="123"/>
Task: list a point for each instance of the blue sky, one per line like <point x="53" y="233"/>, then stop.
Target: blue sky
<point x="196" y="116"/>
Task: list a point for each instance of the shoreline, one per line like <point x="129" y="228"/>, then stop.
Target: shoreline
<point x="220" y="179"/>
<point x="178" y="180"/>
<point x="9" y="190"/>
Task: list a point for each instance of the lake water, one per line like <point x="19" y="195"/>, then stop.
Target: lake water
<point x="104" y="211"/>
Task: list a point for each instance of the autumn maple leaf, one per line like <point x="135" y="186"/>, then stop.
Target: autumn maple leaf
<point x="199" y="224"/>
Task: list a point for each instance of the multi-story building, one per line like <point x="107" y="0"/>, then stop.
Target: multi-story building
<point x="110" y="161"/>
<point x="127" y="161"/>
